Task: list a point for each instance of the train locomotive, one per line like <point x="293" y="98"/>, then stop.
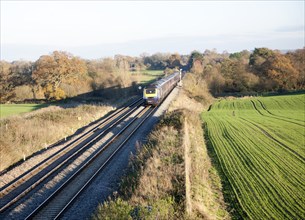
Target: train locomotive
<point x="156" y="92"/>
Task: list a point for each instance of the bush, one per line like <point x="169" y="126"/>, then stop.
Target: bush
<point x="117" y="209"/>
<point x="54" y="94"/>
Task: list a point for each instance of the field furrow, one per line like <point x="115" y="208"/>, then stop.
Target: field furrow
<point x="265" y="112"/>
<point x="263" y="157"/>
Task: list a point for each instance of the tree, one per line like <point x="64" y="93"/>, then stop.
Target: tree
<point x="123" y="67"/>
<point x="174" y="61"/>
<point x="282" y="72"/>
<point x="259" y="64"/>
<point x="195" y="57"/>
<point x="195" y="63"/>
<point x="50" y="70"/>
<point x="12" y="75"/>
<point x="297" y="59"/>
<point x="157" y="61"/>
<point x="259" y="56"/>
<point x="275" y="70"/>
<point x="216" y="83"/>
<point x="5" y="87"/>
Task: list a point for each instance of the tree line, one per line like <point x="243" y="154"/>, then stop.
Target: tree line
<point x="60" y="74"/>
<point x="262" y="70"/>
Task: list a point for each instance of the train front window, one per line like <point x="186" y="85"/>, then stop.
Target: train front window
<point x="150" y="91"/>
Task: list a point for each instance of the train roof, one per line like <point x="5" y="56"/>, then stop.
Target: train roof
<point x="160" y="82"/>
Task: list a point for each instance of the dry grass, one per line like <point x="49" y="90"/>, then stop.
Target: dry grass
<point x="204" y="199"/>
<point x="154" y="187"/>
<point x="21" y="136"/>
<point x="161" y="169"/>
<point x="174" y="164"/>
<point x="205" y="185"/>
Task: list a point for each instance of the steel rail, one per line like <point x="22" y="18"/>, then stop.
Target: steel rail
<point x="103" y="165"/>
<point x="83" y="167"/>
<point x="22" y="178"/>
<point x="61" y="164"/>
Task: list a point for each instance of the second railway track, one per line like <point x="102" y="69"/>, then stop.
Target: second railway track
<point x="17" y="193"/>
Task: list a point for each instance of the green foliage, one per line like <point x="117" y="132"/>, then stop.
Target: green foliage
<point x="260" y="146"/>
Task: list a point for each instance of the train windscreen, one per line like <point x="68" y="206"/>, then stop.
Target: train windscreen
<point x="150" y="91"/>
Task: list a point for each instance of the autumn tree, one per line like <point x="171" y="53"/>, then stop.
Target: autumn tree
<point x="5" y="87"/>
<point x="297" y="59"/>
<point x="259" y="57"/>
<point x="50" y="70"/>
<point x="216" y="81"/>
<point x="13" y="75"/>
<point x="258" y="65"/>
<point x="123" y="70"/>
<point x="195" y="62"/>
<point x="275" y="70"/>
<point x="157" y="61"/>
<point x="174" y="61"/>
<point x="282" y="72"/>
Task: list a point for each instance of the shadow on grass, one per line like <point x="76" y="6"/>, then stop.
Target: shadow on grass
<point x="263" y="94"/>
<point x="234" y="207"/>
<point x="112" y="96"/>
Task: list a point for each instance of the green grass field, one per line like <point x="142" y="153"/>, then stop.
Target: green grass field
<point x="260" y="146"/>
<point x="147" y="76"/>
<point x="14" y="109"/>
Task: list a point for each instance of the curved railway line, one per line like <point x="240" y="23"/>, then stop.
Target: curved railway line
<point x="52" y="185"/>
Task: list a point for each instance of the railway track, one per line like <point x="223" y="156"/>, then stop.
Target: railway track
<point x="56" y="204"/>
<point x="86" y="145"/>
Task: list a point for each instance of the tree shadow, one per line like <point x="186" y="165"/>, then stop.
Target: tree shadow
<point x="253" y="93"/>
<point x="113" y="96"/>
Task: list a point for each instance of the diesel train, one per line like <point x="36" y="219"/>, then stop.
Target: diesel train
<point x="156" y="92"/>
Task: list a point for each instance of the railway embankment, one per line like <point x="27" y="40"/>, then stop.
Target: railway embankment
<point x="28" y="135"/>
<point x="22" y="136"/>
<point x="171" y="176"/>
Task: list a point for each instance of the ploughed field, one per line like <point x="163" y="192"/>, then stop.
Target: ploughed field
<point x="260" y="145"/>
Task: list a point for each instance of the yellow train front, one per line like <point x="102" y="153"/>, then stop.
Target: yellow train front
<point x="151" y="95"/>
<point x="156" y="92"/>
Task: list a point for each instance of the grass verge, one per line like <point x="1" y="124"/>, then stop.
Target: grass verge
<point x="171" y="176"/>
<point x="21" y="136"/>
<point x="154" y="186"/>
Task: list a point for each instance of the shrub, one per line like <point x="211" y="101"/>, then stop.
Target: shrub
<point x="53" y="94"/>
<point x="117" y="209"/>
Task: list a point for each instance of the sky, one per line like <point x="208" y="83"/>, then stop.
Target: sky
<point x="97" y="29"/>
